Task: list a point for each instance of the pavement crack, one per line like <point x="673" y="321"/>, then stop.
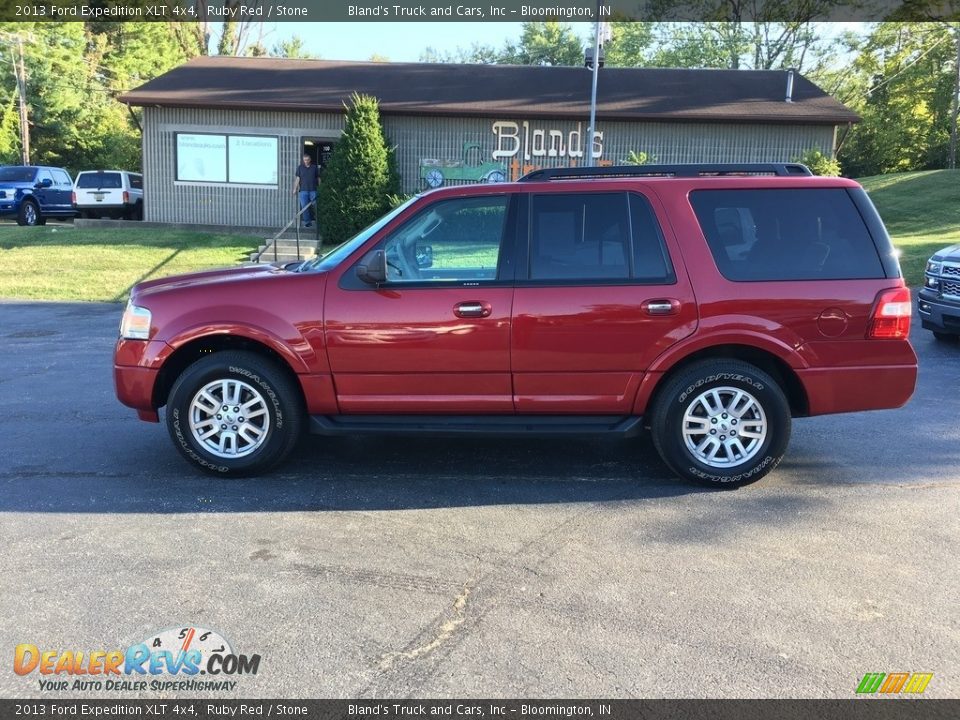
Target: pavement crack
<point x="444" y="632"/>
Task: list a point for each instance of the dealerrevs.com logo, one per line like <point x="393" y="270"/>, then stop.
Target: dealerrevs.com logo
<point x="170" y="660"/>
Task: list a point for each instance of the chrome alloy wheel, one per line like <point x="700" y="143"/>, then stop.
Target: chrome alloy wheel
<point x="724" y="427"/>
<point x="30" y="213"/>
<point x="229" y="418"/>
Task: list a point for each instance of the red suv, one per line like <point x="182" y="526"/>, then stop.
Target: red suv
<point x="708" y="304"/>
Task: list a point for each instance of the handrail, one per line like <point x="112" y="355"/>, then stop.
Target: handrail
<point x="295" y="219"/>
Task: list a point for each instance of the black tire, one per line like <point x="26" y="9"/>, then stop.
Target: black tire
<point x="945" y="337"/>
<point x="281" y="396"/>
<point x="138" y="211"/>
<point x="29" y="214"/>
<point x="682" y="391"/>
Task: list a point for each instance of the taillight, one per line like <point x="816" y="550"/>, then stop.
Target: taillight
<point x="126" y="196"/>
<point x="73" y="198"/>
<point x="891" y="314"/>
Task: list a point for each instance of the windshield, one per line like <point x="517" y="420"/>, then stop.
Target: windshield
<point x="333" y="258"/>
<point x="17" y="174"/>
<point x="100" y="180"/>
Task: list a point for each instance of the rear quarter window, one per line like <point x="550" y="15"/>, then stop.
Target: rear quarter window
<point x="787" y="234"/>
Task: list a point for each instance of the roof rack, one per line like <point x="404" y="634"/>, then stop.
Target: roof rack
<point x="680" y="170"/>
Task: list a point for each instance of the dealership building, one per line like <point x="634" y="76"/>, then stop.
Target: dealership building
<point x="222" y="136"/>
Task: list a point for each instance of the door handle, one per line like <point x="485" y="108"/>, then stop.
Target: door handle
<point x="661" y="306"/>
<point x="472" y="309"/>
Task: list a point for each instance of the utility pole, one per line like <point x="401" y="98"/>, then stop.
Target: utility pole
<point x="955" y="103"/>
<point x="593" y="91"/>
<point x="21" y="75"/>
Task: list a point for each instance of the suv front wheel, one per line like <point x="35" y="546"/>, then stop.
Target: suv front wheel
<point x="722" y="423"/>
<point x="234" y="414"/>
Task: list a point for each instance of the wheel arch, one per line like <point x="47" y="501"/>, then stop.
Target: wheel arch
<point x="195" y="349"/>
<point x="764" y="359"/>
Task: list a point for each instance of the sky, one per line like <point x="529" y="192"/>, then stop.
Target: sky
<point x="406" y="41"/>
<point x="400" y="42"/>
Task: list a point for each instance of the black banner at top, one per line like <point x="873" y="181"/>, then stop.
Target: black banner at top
<point x="477" y="10"/>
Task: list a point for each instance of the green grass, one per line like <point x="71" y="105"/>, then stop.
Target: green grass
<point x="921" y="211"/>
<point x="61" y="262"/>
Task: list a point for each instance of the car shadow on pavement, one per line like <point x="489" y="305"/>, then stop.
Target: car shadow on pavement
<point x="349" y="474"/>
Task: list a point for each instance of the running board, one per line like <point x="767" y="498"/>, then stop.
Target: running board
<point x="454" y="425"/>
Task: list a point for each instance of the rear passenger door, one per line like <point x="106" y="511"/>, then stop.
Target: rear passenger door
<point x="600" y="293"/>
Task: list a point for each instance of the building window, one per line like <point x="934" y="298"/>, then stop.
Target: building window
<point x="234" y="159"/>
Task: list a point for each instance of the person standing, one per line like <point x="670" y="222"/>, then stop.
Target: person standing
<point x="305" y="187"/>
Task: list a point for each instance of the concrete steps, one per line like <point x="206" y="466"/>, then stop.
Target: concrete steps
<point x="287" y="250"/>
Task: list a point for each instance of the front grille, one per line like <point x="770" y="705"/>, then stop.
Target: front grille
<point x="950" y="287"/>
<point x="950" y="270"/>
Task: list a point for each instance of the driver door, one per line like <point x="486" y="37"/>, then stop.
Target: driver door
<point x="434" y="338"/>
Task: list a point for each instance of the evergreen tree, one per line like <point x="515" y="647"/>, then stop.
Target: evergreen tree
<point x="357" y="182"/>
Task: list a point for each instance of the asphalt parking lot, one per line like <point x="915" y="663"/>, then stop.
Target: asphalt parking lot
<point x="430" y="568"/>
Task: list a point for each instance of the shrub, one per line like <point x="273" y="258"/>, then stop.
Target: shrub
<point x="819" y="163"/>
<point x="359" y="178"/>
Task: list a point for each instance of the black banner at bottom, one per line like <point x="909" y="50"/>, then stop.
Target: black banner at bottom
<point x="854" y="709"/>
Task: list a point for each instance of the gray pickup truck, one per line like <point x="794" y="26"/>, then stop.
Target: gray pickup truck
<point x="939" y="299"/>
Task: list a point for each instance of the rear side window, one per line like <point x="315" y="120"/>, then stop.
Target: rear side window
<point x="136" y="181"/>
<point x="100" y="181"/>
<point x="596" y="236"/>
<point x="787" y="234"/>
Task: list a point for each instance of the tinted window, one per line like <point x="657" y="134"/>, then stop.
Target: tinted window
<point x="788" y="234"/>
<point x="44" y="175"/>
<point x="136" y="181"/>
<point x="650" y="255"/>
<point x="579" y="237"/>
<point x="100" y="181"/>
<point x="17" y="174"/>
<point x="451" y="240"/>
<point x="588" y="237"/>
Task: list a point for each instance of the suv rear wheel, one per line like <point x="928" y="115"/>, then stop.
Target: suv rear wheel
<point x="234" y="414"/>
<point x="722" y="423"/>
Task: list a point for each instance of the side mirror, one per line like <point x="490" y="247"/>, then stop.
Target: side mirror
<point x="424" y="256"/>
<point x="373" y="268"/>
<point x="45" y="183"/>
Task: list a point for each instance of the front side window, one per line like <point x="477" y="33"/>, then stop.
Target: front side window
<point x="62" y="179"/>
<point x="787" y="234"/>
<point x="453" y="241"/>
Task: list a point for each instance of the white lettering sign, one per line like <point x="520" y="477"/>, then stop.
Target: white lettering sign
<point x="512" y="138"/>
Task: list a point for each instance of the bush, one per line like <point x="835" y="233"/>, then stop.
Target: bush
<point x="359" y="178"/>
<point x="640" y="158"/>
<point x="819" y="163"/>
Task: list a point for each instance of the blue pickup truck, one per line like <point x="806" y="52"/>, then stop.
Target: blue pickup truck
<point x="33" y="193"/>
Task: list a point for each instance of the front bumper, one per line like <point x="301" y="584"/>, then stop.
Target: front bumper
<point x="135" y="370"/>
<point x="938" y="314"/>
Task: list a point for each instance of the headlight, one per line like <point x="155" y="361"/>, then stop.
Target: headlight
<point x="933" y="267"/>
<point x="135" y="324"/>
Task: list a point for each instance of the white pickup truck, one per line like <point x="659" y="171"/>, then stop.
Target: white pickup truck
<point x="109" y="193"/>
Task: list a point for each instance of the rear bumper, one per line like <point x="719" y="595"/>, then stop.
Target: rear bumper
<point x="938" y="315"/>
<point x="851" y="389"/>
